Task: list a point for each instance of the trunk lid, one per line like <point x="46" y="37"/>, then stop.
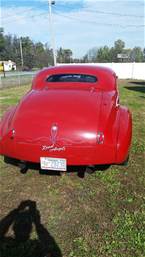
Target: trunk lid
<point x="75" y="112"/>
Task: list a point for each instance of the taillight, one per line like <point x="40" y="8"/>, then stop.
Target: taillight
<point x="12" y="134"/>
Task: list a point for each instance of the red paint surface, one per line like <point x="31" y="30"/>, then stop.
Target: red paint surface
<point x="79" y="110"/>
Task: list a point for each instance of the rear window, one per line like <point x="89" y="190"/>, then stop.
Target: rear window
<point x="72" y="78"/>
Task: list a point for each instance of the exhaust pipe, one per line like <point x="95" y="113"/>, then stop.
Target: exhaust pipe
<point x="90" y="169"/>
<point x="23" y="167"/>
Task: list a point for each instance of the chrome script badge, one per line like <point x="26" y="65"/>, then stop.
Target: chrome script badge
<point x="53" y="139"/>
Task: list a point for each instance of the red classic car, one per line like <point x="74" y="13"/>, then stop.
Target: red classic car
<point x="70" y="117"/>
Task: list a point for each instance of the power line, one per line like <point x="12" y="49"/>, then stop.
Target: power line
<point x="114" y="14"/>
<point x="26" y="11"/>
<point x="19" y="13"/>
<point x="102" y="12"/>
<point x="84" y="9"/>
<point x="76" y="19"/>
<point x="23" y="18"/>
<point x="96" y="23"/>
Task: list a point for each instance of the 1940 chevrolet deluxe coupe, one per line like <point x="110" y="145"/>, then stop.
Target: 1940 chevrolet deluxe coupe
<point x="71" y="116"/>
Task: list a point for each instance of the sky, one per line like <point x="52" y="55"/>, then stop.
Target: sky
<point x="77" y="24"/>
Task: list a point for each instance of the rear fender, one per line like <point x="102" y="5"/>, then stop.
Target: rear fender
<point x="6" y="120"/>
<point x="124" y="135"/>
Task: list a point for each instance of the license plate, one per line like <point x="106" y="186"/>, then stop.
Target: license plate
<point x="53" y="163"/>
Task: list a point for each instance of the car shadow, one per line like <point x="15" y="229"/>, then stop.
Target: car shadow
<point x="140" y="86"/>
<point x="142" y="83"/>
<point x="16" y="230"/>
<point x="80" y="170"/>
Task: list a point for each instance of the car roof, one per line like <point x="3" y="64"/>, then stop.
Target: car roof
<point x="105" y="76"/>
<point x="84" y="68"/>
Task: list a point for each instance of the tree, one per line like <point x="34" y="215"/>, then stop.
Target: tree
<point x="40" y="55"/>
<point x="91" y="55"/>
<point x="34" y="54"/>
<point x="119" y="45"/>
<point x="118" y="48"/>
<point x="8" y="48"/>
<point x="28" y="52"/>
<point x="2" y="43"/>
<point x="64" y="55"/>
<point x="60" y="55"/>
<point x="103" y="54"/>
<point x="137" y="54"/>
<point x="68" y="55"/>
<point x="144" y="55"/>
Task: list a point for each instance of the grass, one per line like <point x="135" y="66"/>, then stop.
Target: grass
<point x="11" y="96"/>
<point x="101" y="215"/>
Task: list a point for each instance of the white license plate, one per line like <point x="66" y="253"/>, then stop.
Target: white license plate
<point x="53" y="163"/>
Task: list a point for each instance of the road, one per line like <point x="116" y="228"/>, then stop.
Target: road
<point x="18" y="73"/>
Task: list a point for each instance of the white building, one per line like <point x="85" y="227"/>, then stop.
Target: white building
<point x="7" y="65"/>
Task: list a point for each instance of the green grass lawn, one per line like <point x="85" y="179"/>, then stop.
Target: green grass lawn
<point x="101" y="215"/>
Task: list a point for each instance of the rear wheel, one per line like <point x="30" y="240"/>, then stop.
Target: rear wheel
<point x="125" y="163"/>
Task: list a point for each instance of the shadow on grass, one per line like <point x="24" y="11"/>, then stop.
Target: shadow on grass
<point x="139" y="88"/>
<point x="21" y="221"/>
<point x="80" y="170"/>
<point x="142" y="83"/>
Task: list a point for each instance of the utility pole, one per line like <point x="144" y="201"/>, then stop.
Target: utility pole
<point x="3" y="65"/>
<point x="50" y="2"/>
<point x="21" y="52"/>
